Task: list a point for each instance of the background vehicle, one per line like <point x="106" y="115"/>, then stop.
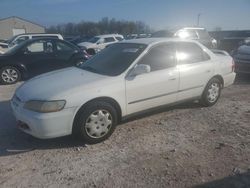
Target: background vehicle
<point x="78" y="39"/>
<point x="17" y="39"/>
<point x="37" y="56"/>
<point x="231" y="40"/>
<point x="98" y="43"/>
<point x="125" y="78"/>
<point x="197" y="33"/>
<point x="162" y="34"/>
<point x="242" y="59"/>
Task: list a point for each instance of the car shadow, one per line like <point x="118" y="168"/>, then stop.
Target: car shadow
<point x="14" y="141"/>
<point x="161" y="109"/>
<point x="235" y="181"/>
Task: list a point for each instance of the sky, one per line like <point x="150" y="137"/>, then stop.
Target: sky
<point x="158" y="14"/>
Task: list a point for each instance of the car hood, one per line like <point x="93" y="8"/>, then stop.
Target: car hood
<point x="86" y="44"/>
<point x="58" y="84"/>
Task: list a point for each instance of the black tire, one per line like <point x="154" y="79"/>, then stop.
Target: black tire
<point x="80" y="124"/>
<point x="205" y="99"/>
<point x="3" y="79"/>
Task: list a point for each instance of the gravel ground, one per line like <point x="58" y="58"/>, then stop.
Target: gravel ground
<point x="182" y="146"/>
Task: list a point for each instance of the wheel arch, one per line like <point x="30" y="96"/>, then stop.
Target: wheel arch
<point x="220" y="78"/>
<point x="109" y="100"/>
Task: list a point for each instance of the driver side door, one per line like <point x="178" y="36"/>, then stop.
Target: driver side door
<point x="159" y="86"/>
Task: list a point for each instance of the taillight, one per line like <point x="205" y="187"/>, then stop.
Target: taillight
<point x="233" y="65"/>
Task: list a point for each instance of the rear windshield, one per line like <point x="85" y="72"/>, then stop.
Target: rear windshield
<point x="115" y="59"/>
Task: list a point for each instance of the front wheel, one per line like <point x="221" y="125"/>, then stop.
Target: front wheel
<point x="9" y="75"/>
<point x="212" y="92"/>
<point x="95" y="122"/>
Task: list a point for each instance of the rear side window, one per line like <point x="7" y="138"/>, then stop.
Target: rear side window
<point x="109" y="39"/>
<point x="119" y="38"/>
<point x="40" y="47"/>
<point x="160" y="57"/>
<point x="188" y="53"/>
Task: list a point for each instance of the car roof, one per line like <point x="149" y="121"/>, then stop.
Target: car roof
<point x="45" y="34"/>
<point x="152" y="41"/>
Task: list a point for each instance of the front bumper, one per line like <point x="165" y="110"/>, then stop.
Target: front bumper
<point x="43" y="125"/>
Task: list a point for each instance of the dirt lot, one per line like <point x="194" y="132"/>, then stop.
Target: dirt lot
<point x="183" y="146"/>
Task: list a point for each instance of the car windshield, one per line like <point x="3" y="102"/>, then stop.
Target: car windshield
<point x="11" y="39"/>
<point x="114" y="59"/>
<point x="94" y="39"/>
<point x="12" y="49"/>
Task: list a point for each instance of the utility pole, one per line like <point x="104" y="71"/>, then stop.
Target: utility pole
<point x="198" y="19"/>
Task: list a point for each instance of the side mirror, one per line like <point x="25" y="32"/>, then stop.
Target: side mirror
<point x="140" y="69"/>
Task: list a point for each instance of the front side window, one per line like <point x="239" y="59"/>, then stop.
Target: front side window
<point x="160" y="57"/>
<point x="188" y="53"/>
<point x="40" y="47"/>
<point x="114" y="59"/>
<point x="109" y="39"/>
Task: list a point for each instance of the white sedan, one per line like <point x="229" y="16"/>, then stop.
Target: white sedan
<point x="125" y="78"/>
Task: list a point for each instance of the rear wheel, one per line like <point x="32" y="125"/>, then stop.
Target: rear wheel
<point x="95" y="122"/>
<point x="9" y="75"/>
<point x="212" y="92"/>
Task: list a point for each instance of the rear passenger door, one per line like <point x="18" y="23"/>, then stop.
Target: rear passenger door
<point x="195" y="67"/>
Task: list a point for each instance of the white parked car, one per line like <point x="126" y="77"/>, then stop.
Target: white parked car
<point x="125" y="78"/>
<point x="98" y="43"/>
<point x="17" y="39"/>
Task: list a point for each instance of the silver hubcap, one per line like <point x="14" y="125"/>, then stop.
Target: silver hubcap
<point x="9" y="75"/>
<point x="213" y="92"/>
<point x="98" y="124"/>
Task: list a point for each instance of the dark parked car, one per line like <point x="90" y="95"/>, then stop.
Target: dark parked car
<point x="37" y="56"/>
<point x="242" y="59"/>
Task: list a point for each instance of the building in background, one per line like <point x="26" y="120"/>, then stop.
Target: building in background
<point x="14" y="25"/>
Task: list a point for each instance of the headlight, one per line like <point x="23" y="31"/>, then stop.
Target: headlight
<point x="45" y="106"/>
